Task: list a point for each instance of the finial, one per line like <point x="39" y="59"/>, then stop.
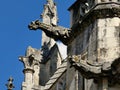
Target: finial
<point x="10" y="85"/>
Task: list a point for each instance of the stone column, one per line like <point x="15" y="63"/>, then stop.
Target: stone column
<point x="31" y="70"/>
<point x="28" y="72"/>
<point x="28" y="75"/>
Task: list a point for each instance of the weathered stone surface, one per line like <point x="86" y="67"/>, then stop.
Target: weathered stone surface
<point x="97" y="46"/>
<point x="55" y="78"/>
<point x="93" y="43"/>
<point x="31" y="70"/>
<point x="55" y="32"/>
<point x="49" y="16"/>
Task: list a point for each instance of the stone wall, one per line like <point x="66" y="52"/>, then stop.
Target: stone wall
<point x="98" y="43"/>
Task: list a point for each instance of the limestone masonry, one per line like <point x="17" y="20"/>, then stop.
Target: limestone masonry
<point x="93" y="49"/>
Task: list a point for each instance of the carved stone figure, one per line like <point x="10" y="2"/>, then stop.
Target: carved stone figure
<point x="56" y="32"/>
<point x="10" y="85"/>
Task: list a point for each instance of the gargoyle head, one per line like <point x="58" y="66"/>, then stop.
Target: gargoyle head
<point x="34" y="25"/>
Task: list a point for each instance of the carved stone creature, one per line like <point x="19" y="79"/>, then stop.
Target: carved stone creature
<point x="56" y="32"/>
<point x="93" y="71"/>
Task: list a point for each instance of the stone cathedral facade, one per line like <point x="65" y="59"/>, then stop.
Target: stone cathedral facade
<point x="93" y="49"/>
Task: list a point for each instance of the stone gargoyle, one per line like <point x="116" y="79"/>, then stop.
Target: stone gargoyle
<point x="55" y="32"/>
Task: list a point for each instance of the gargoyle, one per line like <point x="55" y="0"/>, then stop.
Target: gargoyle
<point x="95" y="72"/>
<point x="55" y="32"/>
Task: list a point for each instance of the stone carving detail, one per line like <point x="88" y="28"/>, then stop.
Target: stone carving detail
<point x="33" y="56"/>
<point x="66" y="35"/>
<point x="56" y="32"/>
<point x="31" y="63"/>
<point x="10" y="85"/>
<point x="83" y="8"/>
<point x="32" y="52"/>
<point x="96" y="71"/>
<point x="50" y="13"/>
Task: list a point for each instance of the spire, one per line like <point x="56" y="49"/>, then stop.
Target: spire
<point x="49" y="16"/>
<point x="10" y="85"/>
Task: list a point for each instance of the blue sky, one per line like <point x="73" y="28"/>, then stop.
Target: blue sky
<point x="15" y="37"/>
